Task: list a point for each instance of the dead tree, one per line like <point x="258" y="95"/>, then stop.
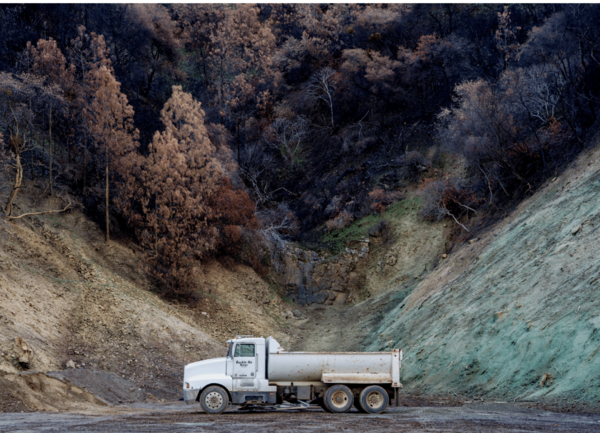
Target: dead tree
<point x="288" y="137"/>
<point x="322" y="87"/>
<point x="24" y="99"/>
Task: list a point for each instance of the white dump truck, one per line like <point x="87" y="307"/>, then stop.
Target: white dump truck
<point x="258" y="372"/>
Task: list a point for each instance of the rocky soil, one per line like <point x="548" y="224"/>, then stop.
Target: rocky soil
<point x="376" y="273"/>
<point x="69" y="301"/>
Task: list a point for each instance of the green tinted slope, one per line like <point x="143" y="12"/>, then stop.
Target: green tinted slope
<point x="516" y="315"/>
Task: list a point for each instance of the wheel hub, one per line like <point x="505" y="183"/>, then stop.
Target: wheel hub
<point x="374" y="400"/>
<point x="339" y="399"/>
<point x="214" y="400"/>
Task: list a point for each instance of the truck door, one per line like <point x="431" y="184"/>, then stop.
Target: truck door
<point x="244" y="367"/>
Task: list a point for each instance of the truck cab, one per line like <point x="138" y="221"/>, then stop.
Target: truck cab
<point x="242" y="373"/>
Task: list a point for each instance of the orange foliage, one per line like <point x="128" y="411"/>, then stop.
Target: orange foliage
<point x="186" y="208"/>
<point x="47" y="60"/>
<point x="341" y="221"/>
<point x="377" y="198"/>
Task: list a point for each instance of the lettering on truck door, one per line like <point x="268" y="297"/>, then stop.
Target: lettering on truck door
<point x="244" y="367"/>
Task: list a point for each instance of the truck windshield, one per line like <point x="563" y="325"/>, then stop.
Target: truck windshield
<point x="244" y="350"/>
<point x="229" y="351"/>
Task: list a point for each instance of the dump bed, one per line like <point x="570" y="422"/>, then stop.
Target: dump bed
<point x="332" y="367"/>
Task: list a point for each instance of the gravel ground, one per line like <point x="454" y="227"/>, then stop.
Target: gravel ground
<point x="174" y="418"/>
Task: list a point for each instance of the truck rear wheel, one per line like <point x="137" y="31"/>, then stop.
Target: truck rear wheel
<point x="321" y="402"/>
<point x="214" y="400"/>
<point x="338" y="399"/>
<point x="357" y="404"/>
<point x="373" y="399"/>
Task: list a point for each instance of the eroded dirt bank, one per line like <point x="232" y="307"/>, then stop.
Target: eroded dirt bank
<point x="69" y="301"/>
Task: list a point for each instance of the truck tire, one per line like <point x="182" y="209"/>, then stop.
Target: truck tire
<point x="321" y="402"/>
<point x="373" y="399"/>
<point x="214" y="400"/>
<point x="338" y="399"/>
<point x="357" y="404"/>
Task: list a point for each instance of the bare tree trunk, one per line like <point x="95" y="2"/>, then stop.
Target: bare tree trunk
<point x="40" y="213"/>
<point x="107" y="221"/>
<point x="17" y="185"/>
<point x="51" y="153"/>
<point x="237" y="127"/>
<point x="331" y="109"/>
<point x="84" y="161"/>
<point x="32" y="172"/>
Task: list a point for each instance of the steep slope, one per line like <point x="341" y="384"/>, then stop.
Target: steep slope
<point x="516" y="313"/>
<point x="67" y="299"/>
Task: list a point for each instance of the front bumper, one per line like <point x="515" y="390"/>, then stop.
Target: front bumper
<point x="190" y="396"/>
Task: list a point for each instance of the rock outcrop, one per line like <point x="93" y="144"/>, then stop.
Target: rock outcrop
<point x="23" y="352"/>
<point x="311" y="279"/>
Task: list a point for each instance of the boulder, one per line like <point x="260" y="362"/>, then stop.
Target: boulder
<point x="23" y="352"/>
<point x="379" y="229"/>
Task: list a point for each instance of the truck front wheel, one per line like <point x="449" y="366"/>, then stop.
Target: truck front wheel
<point x="214" y="400"/>
<point x="338" y="399"/>
<point x="373" y="399"/>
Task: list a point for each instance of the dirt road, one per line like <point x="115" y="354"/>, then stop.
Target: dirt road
<point x="174" y="418"/>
